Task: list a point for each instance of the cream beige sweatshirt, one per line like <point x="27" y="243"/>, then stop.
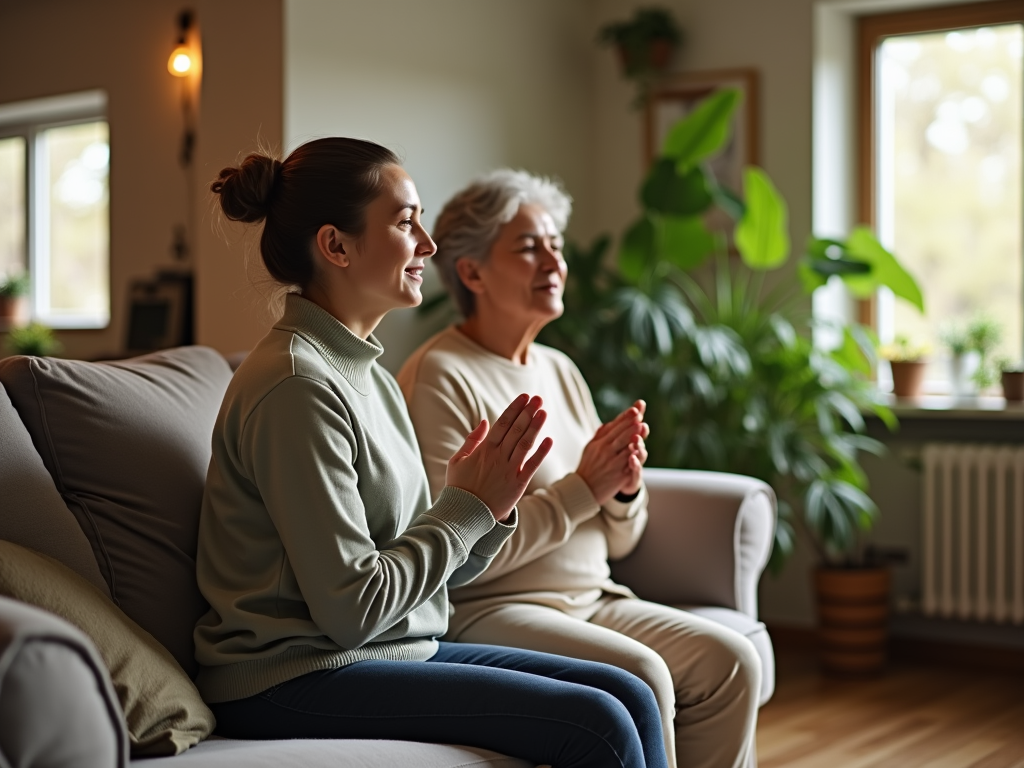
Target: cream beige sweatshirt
<point x="559" y="555"/>
<point x="318" y="544"/>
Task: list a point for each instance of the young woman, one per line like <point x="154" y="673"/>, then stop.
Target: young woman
<point x="324" y="562"/>
<point x="550" y="589"/>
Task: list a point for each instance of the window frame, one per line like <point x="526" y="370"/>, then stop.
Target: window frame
<point x="871" y="31"/>
<point x="28" y="119"/>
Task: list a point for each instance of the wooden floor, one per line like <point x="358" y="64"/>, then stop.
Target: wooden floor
<point x="912" y="715"/>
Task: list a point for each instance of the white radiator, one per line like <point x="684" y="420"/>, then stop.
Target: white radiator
<point x="973" y="532"/>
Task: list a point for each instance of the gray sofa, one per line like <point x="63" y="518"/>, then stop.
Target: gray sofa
<point x="102" y="468"/>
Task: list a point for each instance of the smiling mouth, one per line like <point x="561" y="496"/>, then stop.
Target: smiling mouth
<point x="416" y="273"/>
<point x="548" y="287"/>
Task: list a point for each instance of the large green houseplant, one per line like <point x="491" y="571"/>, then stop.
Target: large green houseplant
<point x="732" y="378"/>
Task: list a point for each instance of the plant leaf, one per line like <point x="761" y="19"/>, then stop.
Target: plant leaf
<point x="885" y="270"/>
<point x="810" y="279"/>
<point x="762" y="237"/>
<point x="637" y="251"/>
<point x="667" y="191"/>
<point x="828" y="267"/>
<point x="703" y="132"/>
<point x="850" y="354"/>
<point x="684" y="241"/>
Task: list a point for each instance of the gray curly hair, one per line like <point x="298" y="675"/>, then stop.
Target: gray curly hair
<point x="469" y="223"/>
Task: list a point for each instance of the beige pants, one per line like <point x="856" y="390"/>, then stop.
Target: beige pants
<point x="705" y="677"/>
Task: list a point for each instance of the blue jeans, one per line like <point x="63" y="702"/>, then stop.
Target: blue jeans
<point x="536" y="706"/>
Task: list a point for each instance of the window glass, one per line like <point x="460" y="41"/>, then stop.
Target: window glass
<point x="78" y="160"/>
<point x="949" y="130"/>
<point x="12" y="206"/>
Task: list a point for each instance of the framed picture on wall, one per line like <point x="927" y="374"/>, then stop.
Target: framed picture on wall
<point x="678" y="95"/>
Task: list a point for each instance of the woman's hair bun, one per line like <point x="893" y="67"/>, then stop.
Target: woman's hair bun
<point x="246" y="191"/>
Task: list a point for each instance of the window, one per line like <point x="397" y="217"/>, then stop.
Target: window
<point x="54" y="206"/>
<point x="941" y="177"/>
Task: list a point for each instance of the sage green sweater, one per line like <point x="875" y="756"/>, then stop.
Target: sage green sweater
<point x="318" y="544"/>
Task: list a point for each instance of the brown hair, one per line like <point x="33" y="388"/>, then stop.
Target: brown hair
<point x="327" y="181"/>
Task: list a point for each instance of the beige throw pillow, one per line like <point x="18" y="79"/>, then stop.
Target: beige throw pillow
<point x="163" y="709"/>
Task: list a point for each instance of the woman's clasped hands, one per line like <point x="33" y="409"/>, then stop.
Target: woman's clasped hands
<point x="613" y="459"/>
<point x="492" y="464"/>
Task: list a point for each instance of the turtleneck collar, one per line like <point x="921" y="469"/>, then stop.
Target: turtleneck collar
<point x="351" y="356"/>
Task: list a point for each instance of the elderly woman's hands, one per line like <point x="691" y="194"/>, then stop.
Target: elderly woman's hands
<point x="492" y="464"/>
<point x="613" y="460"/>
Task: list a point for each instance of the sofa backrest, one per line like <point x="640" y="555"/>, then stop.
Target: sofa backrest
<point x="127" y="446"/>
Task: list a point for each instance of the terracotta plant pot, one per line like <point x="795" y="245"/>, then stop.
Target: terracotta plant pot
<point x="654" y="58"/>
<point x="907" y="377"/>
<point x="853" y="616"/>
<point x="1013" y="386"/>
<point x="13" y="311"/>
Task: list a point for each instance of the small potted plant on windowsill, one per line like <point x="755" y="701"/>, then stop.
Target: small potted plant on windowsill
<point x="1012" y="377"/>
<point x="984" y="335"/>
<point x="908" y="364"/>
<point x="962" y="359"/>
<point x="645" y="45"/>
<point x="13" y="290"/>
<point x="34" y="339"/>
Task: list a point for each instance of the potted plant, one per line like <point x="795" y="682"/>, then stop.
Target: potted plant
<point x="984" y="335"/>
<point x="957" y="341"/>
<point x="33" y="339"/>
<point x="13" y="290"/>
<point x="1012" y="379"/>
<point x="908" y="364"/>
<point x="645" y="45"/>
<point x="726" y="365"/>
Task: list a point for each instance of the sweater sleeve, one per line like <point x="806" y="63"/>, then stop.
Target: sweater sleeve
<point x="299" y="448"/>
<point x="623" y="523"/>
<point x="547" y="517"/>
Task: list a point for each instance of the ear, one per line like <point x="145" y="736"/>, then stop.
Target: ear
<point x="332" y="244"/>
<point x="469" y="274"/>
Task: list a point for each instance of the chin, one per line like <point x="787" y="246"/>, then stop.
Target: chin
<point x="552" y="311"/>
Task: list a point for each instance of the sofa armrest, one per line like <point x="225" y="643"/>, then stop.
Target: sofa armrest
<point x="58" y="708"/>
<point x="707" y="540"/>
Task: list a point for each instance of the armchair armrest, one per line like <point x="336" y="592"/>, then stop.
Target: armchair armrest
<point x="707" y="540"/>
<point x="58" y="708"/>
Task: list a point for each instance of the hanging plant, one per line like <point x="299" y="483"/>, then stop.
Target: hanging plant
<point x="645" y="46"/>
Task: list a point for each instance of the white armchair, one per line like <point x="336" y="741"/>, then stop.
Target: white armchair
<point x="706" y="544"/>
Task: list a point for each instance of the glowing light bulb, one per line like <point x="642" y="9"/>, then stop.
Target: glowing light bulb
<point x="180" y="63"/>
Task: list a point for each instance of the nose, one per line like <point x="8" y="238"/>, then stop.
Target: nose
<point x="552" y="257"/>
<point x="426" y="247"/>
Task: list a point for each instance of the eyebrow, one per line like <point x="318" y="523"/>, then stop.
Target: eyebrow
<point x="414" y="207"/>
<point x="534" y="236"/>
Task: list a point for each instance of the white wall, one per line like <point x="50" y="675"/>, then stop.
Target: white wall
<point x="456" y="87"/>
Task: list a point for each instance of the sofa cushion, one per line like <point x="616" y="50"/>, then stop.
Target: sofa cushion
<point x="127" y="445"/>
<point x="32" y="513"/>
<point x="163" y="709"/>
<point x="333" y="753"/>
<point x="57" y="705"/>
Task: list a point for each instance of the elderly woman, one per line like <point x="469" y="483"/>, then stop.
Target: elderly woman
<point x="549" y="588"/>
